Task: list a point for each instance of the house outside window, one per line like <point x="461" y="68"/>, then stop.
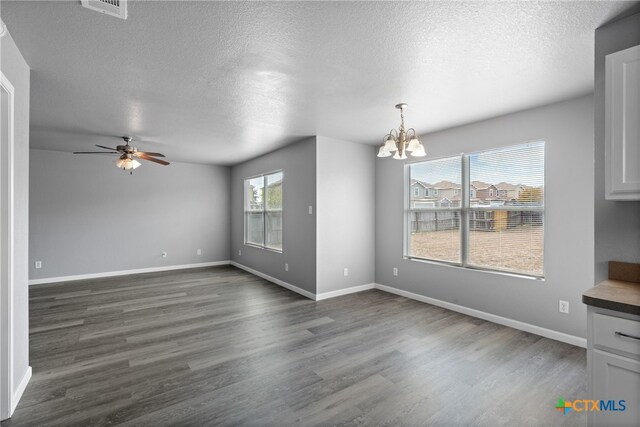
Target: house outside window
<point x="263" y="211"/>
<point x="479" y="231"/>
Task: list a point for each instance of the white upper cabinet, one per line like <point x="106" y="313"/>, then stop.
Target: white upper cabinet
<point x="622" y="125"/>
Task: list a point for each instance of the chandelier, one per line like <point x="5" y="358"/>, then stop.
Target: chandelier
<point x="401" y="141"/>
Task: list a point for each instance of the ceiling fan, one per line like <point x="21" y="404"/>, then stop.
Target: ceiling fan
<point x="128" y="154"/>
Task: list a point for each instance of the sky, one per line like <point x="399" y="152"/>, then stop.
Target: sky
<point x="521" y="164"/>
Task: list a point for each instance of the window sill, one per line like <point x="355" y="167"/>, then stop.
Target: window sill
<point x="481" y="270"/>
<point x="264" y="248"/>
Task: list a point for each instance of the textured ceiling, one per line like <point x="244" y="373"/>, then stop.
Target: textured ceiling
<point x="222" y="82"/>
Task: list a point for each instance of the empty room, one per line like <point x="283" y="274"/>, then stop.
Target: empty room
<point x="309" y="213"/>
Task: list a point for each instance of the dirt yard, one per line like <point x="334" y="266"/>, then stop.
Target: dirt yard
<point x="519" y="249"/>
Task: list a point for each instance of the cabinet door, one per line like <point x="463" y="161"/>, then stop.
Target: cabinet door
<point x="622" y="125"/>
<point x="616" y="378"/>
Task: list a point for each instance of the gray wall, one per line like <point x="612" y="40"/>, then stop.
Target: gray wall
<point x="298" y="161"/>
<point x="567" y="128"/>
<point x="17" y="71"/>
<point x="87" y="216"/>
<point x="617" y="224"/>
<point x="345" y="215"/>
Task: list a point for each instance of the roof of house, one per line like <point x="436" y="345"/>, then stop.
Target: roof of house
<point x="507" y="186"/>
<point x="446" y="184"/>
<point x="480" y="185"/>
<point x="417" y="181"/>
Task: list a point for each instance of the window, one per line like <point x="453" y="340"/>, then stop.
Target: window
<point x="475" y="229"/>
<point x="416" y="192"/>
<point x="263" y="211"/>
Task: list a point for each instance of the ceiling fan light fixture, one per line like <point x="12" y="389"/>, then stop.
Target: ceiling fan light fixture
<point x="127" y="153"/>
<point x="127" y="163"/>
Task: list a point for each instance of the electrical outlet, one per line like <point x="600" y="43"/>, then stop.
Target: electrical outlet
<point x="345" y="272"/>
<point x="563" y="306"/>
<point x="286" y="267"/>
<point x="310" y="210"/>
<point x="164" y="254"/>
<point x="395" y="271"/>
<point x="38" y="264"/>
<point x="199" y="252"/>
<point x="239" y="252"/>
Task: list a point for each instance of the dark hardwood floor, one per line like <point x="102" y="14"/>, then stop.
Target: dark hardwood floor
<point x="221" y="346"/>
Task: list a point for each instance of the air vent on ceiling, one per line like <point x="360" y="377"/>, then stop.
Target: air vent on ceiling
<point x="117" y="8"/>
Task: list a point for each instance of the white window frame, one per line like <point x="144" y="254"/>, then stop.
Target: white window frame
<point x="465" y="209"/>
<point x="264" y="211"/>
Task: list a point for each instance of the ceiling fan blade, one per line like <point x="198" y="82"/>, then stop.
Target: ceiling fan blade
<point x="152" y="154"/>
<point x="151" y="159"/>
<point x="95" y="152"/>
<point x="106" y="148"/>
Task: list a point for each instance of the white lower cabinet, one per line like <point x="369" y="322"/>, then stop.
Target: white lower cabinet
<point x="617" y="380"/>
<point x="613" y="365"/>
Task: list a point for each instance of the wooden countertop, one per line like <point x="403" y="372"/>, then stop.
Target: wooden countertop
<point x="621" y="292"/>
<point x="615" y="295"/>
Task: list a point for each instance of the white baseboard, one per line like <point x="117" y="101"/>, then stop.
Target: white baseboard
<point x="17" y="394"/>
<point x="346" y="291"/>
<point x="284" y="284"/>
<point x="516" y="324"/>
<point x="124" y="272"/>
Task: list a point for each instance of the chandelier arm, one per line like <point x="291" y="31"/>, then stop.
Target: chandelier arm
<point x="415" y="134"/>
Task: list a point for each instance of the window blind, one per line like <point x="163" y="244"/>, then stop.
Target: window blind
<point x="506" y="216"/>
<point x="480" y="210"/>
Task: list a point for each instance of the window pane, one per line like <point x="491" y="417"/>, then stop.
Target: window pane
<point x="263" y="211"/>
<point x="274" y="230"/>
<point x="507" y="240"/>
<point x="508" y="176"/>
<point x="254" y="227"/>
<point x="254" y="194"/>
<point x="436" y="184"/>
<point x="274" y="191"/>
<point x="500" y="239"/>
<point x="435" y="232"/>
<point x="435" y="235"/>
